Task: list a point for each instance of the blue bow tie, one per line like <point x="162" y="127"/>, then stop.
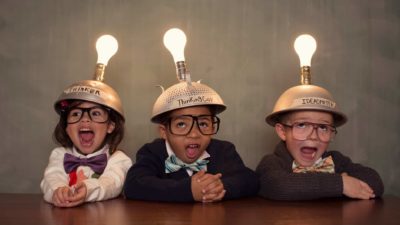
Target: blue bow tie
<point x="97" y="163"/>
<point x="173" y="164"/>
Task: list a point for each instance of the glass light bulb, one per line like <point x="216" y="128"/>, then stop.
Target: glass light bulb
<point x="175" y="41"/>
<point x="106" y="47"/>
<point x="305" y="46"/>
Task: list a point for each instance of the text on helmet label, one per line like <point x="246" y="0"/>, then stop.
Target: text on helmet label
<point x="193" y="100"/>
<point x="84" y="89"/>
<point x="314" y="101"/>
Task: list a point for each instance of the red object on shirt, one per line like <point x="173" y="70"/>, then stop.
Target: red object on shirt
<point x="72" y="178"/>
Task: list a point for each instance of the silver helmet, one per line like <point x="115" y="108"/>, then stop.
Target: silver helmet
<point x="306" y="97"/>
<point x="91" y="90"/>
<point x="186" y="94"/>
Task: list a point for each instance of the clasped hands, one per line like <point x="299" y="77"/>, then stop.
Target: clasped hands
<point x="71" y="196"/>
<point x="207" y="187"/>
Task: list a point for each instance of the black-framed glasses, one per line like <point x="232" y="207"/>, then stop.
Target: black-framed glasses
<point x="302" y="130"/>
<point x="182" y="125"/>
<point x="96" y="114"/>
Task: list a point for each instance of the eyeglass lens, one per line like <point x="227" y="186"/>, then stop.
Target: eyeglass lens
<point x="96" y="114"/>
<point x="182" y="125"/>
<point x="301" y="131"/>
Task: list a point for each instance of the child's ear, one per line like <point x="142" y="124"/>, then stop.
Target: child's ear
<point x="163" y="131"/>
<point x="280" y="130"/>
<point x="111" y="127"/>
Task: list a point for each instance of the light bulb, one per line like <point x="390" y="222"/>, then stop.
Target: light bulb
<point x="175" y="41"/>
<point x="305" y="46"/>
<point x="106" y="47"/>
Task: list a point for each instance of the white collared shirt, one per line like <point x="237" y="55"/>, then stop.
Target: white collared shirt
<point x="108" y="185"/>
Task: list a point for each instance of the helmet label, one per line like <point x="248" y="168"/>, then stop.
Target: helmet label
<point x="314" y="101"/>
<point x="182" y="102"/>
<point x="85" y="89"/>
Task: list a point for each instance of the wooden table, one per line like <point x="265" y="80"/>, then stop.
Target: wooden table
<point x="31" y="209"/>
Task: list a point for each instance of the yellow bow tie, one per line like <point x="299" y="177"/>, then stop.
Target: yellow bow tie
<point x="325" y="165"/>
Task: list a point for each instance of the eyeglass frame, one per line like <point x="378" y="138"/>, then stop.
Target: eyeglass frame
<point x="168" y="122"/>
<point x="315" y="127"/>
<point x="87" y="110"/>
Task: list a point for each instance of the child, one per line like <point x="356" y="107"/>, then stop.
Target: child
<point x="88" y="167"/>
<point x="305" y="118"/>
<point x="187" y="164"/>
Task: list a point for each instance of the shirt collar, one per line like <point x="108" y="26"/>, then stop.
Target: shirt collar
<point x="104" y="149"/>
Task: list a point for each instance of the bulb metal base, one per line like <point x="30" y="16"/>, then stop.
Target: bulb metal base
<point x="181" y="70"/>
<point x="99" y="72"/>
<point x="305" y="75"/>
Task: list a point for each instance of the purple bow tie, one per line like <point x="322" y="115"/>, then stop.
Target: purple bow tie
<point x="97" y="163"/>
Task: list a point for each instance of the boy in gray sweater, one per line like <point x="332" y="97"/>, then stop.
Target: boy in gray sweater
<point x="305" y="118"/>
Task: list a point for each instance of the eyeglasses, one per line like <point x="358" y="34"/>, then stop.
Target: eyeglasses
<point x="182" y="125"/>
<point x="302" y="130"/>
<point x="96" y="114"/>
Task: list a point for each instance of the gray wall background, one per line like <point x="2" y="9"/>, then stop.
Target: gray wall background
<point x="243" y="49"/>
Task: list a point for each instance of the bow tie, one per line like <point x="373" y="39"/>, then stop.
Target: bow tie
<point x="325" y="165"/>
<point x="97" y="163"/>
<point x="173" y="164"/>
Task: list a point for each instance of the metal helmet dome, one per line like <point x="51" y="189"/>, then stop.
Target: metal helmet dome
<point x="306" y="97"/>
<point x="186" y="94"/>
<point x="93" y="91"/>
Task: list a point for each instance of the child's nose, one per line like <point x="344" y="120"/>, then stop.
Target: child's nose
<point x="314" y="134"/>
<point x="85" y="117"/>
<point x="195" y="132"/>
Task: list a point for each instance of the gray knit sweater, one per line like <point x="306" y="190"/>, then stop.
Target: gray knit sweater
<point x="277" y="181"/>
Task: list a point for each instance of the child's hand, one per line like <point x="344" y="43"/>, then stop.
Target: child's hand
<point x="61" y="196"/>
<point x="196" y="186"/>
<point x="79" y="195"/>
<point x="70" y="197"/>
<point x="355" y="188"/>
<point x="214" y="191"/>
<point x="207" y="187"/>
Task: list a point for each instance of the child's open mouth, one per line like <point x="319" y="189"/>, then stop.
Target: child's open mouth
<point x="86" y="137"/>
<point x="192" y="151"/>
<point x="308" y="153"/>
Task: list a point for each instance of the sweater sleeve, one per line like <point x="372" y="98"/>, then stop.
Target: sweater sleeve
<point x="239" y="181"/>
<point x="280" y="183"/>
<point x="146" y="179"/>
<point x="110" y="183"/>
<point x="366" y="174"/>
<point x="54" y="174"/>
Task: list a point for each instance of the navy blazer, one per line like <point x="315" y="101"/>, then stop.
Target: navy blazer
<point x="147" y="180"/>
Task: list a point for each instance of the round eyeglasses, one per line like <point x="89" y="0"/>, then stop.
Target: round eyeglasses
<point x="183" y="125"/>
<point x="96" y="114"/>
<point x="302" y="130"/>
